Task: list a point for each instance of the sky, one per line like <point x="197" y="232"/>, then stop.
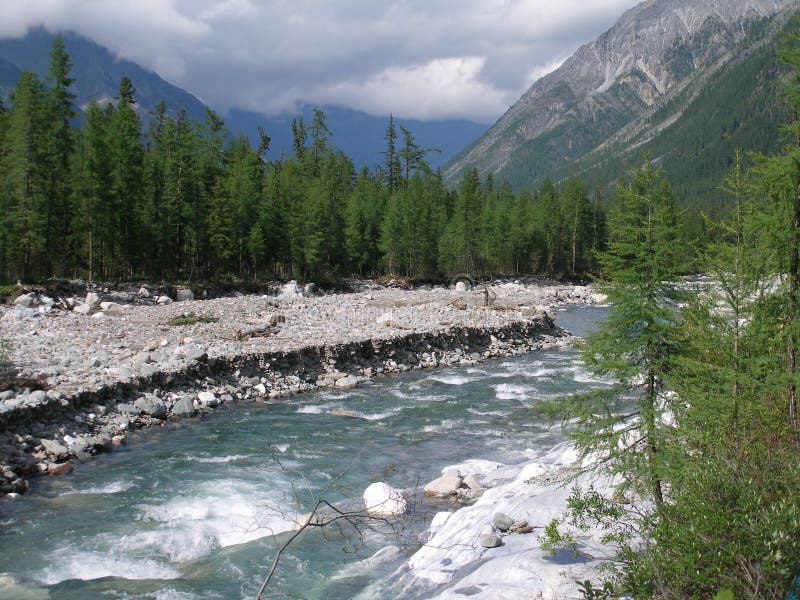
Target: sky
<point x="420" y="59"/>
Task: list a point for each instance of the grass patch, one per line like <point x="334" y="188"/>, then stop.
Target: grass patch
<point x="190" y="319"/>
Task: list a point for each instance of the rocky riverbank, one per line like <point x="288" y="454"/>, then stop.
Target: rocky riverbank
<point x="108" y="367"/>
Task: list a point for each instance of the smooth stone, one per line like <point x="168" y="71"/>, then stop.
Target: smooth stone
<point x="82" y="309"/>
<point x="443" y="486"/>
<point x="207" y="398"/>
<point x="54" y="449"/>
<point x="25" y="300"/>
<point x="183" y="407"/>
<point x="59" y="468"/>
<point x="488" y="540"/>
<point x="184" y="295"/>
<point x="382" y="500"/>
<point x="347" y="383"/>
<point x="164" y="300"/>
<point x="502" y="521"/>
<point x="151" y="405"/>
<point x="92" y="299"/>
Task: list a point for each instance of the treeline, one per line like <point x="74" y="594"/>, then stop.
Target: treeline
<point x="176" y="199"/>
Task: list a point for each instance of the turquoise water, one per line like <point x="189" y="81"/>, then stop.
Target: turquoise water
<point x="197" y="509"/>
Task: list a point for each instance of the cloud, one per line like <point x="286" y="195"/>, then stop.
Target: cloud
<point x="416" y="58"/>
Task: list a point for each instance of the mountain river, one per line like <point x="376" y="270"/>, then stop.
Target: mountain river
<point x="198" y="508"/>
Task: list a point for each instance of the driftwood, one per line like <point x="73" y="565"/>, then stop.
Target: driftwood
<point x="458" y="303"/>
<point x="246" y="334"/>
<point x="397" y="325"/>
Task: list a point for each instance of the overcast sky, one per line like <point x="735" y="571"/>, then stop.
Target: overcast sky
<point x="424" y="59"/>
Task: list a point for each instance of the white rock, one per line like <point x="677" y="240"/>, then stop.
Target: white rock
<point x="99" y="315"/>
<point x="382" y="500"/>
<point x="462" y="286"/>
<point x="164" y="300"/>
<point x="92" y="299"/>
<point x="207" y="398"/>
<point x="143" y="292"/>
<point x="291" y="290"/>
<point x="25" y="300"/>
<point x="83" y="309"/>
<point x="110" y="306"/>
<point x="443" y="486"/>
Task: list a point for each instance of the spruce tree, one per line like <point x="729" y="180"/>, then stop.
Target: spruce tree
<point x="60" y="143"/>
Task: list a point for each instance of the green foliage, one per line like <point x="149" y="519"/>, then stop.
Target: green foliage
<point x="552" y="540"/>
<point x="190" y="319"/>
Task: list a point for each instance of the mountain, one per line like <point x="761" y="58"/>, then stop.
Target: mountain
<point x="675" y="77"/>
<point x="97" y="73"/>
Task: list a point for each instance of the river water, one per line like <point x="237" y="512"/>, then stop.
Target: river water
<point x="197" y="509"/>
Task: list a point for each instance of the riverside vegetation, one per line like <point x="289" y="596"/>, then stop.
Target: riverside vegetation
<point x="702" y="430"/>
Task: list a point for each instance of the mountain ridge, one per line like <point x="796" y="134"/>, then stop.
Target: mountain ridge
<point x="607" y="92"/>
<point x="97" y="72"/>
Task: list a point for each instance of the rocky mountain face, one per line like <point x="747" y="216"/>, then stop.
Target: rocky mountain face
<point x="620" y="90"/>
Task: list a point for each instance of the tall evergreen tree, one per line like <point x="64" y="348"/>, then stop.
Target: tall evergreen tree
<point x="24" y="197"/>
<point x="60" y="142"/>
<point x="637" y="343"/>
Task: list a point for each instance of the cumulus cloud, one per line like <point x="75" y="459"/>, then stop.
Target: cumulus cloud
<point x="416" y="58"/>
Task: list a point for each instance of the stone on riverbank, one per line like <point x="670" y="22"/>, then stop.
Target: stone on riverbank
<point x="183" y="407"/>
<point x="152" y="406"/>
<point x="382" y="500"/>
<point x="444" y="486"/>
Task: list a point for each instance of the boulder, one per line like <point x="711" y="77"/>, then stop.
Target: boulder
<point x="462" y="286"/>
<point x="54" y="449"/>
<point x="25" y="300"/>
<point x="488" y="540"/>
<point x="347" y="383"/>
<point x="291" y="290"/>
<point x="382" y="500"/>
<point x="443" y="486"/>
<point x="143" y="292"/>
<point x="82" y="309"/>
<point x="151" y="405"/>
<point x="164" y="300"/>
<point x="110" y="306"/>
<point x="92" y="299"/>
<point x="183" y="407"/>
<point x="502" y="522"/>
<point x="59" y="468"/>
<point x="184" y="295"/>
<point x="207" y="398"/>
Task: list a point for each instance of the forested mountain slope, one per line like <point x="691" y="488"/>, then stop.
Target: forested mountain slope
<point x="687" y="80"/>
<point x="97" y="73"/>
